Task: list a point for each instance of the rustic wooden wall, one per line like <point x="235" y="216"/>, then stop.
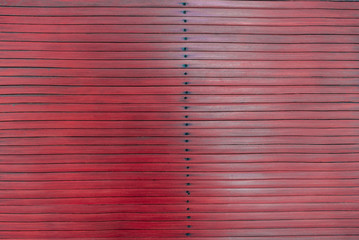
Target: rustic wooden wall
<point x="166" y="119"/>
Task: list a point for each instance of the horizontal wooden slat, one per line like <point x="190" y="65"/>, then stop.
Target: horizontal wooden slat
<point x="179" y="167"/>
<point x="190" y="81"/>
<point x="180" y="98"/>
<point x="179" y="107"/>
<point x="173" y="149"/>
<point x="190" y="38"/>
<point x="178" y="55"/>
<point x="238" y="132"/>
<point x="245" y="192"/>
<point x="180" y="200"/>
<point x="226" y="12"/>
<point x="174" y="47"/>
<point x="73" y="176"/>
<point x="140" y="20"/>
<point x="221" y="238"/>
<point x="184" y="90"/>
<point x="112" y="208"/>
<point x="151" y="73"/>
<point x="169" y="116"/>
<point x="309" y="124"/>
<point x="190" y="64"/>
<point x="164" y="184"/>
<point x="165" y="29"/>
<point x="183" y="216"/>
<point x="123" y="225"/>
<point x="176" y="140"/>
<point x="177" y="158"/>
<point x="173" y="234"/>
<point x="189" y="3"/>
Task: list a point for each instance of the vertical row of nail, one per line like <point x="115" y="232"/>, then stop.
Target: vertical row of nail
<point x="186" y="116"/>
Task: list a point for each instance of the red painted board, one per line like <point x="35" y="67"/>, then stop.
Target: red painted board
<point x="179" y="28"/>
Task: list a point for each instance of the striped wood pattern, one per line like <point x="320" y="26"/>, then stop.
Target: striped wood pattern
<point x="194" y="119"/>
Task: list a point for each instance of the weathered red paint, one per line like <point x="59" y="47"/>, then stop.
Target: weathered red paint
<point x="195" y="119"/>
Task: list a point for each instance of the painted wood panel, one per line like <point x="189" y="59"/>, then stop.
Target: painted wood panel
<point x="194" y="119"/>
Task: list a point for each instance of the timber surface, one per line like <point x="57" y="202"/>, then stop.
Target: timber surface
<point x="194" y="119"/>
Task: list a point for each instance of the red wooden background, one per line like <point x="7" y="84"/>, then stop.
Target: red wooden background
<point x="194" y="119"/>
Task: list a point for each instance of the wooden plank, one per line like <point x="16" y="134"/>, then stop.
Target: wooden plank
<point x="189" y="3"/>
<point x="264" y="124"/>
<point x="176" y="158"/>
<point x="177" y="90"/>
<point x="150" y="73"/>
<point x="190" y="81"/>
<point x="353" y="237"/>
<point x="153" y="11"/>
<point x="89" y="141"/>
<point x="190" y="38"/>
<point x="140" y="20"/>
<point x="169" y="116"/>
<point x="180" y="98"/>
<point x="180" y="107"/>
<point x="179" y="200"/>
<point x="173" y="234"/>
<point x="178" y="167"/>
<point x="83" y="226"/>
<point x="316" y="215"/>
<point x="177" y="64"/>
<point x="92" y="55"/>
<point x="177" y="149"/>
<point x="179" y="133"/>
<point x="165" y="29"/>
<point x="245" y="192"/>
<point x="73" y="176"/>
<point x="175" y="47"/>
<point x="163" y="184"/>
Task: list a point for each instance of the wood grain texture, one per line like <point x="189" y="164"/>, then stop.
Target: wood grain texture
<point x="178" y="29"/>
<point x="196" y="119"/>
